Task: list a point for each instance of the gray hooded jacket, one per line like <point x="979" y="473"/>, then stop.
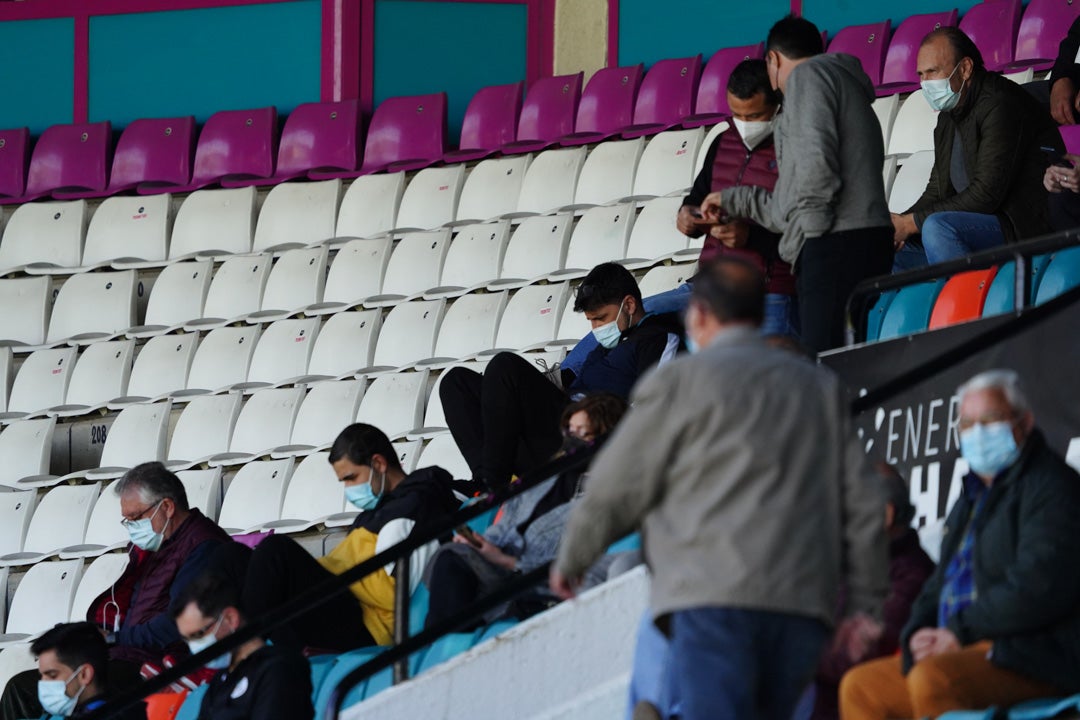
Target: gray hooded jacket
<point x="830" y="153"/>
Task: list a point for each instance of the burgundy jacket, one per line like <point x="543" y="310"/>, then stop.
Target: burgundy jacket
<point x="727" y="164"/>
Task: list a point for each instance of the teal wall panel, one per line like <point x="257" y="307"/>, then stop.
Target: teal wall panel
<point x="36" y="73"/>
<point x="196" y="62"/>
<point x="427" y="47"/>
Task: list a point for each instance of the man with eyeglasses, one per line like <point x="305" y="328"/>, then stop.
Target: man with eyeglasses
<point x="998" y="621"/>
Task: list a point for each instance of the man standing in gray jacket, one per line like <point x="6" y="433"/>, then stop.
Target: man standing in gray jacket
<point x="739" y="466"/>
<point x="829" y="200"/>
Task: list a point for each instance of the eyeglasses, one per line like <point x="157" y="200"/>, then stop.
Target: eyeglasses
<point x="127" y="522"/>
<point x="207" y="629"/>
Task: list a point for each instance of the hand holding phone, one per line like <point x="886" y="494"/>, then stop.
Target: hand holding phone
<point x="1057" y="157"/>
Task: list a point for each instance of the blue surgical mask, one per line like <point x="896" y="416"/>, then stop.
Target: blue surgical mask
<point x="196" y="646"/>
<point x="608" y="335"/>
<point x="52" y="694"/>
<point x="691" y="344"/>
<point x="362" y="496"/>
<point x="142" y="532"/>
<point x="939" y="93"/>
<point x="989" y="448"/>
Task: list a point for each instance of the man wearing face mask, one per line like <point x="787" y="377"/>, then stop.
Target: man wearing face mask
<point x="256" y="681"/>
<point x="986" y="187"/>
<point x="72" y="663"/>
<point x="997" y="622"/>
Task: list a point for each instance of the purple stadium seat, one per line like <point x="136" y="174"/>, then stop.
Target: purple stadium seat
<point x="607" y="105"/>
<point x="712" y="105"/>
<point x="1042" y="29"/>
<point x="869" y="43"/>
<point x="71" y="158"/>
<point x="548" y="113"/>
<point x="1070" y="136"/>
<point x="491" y="121"/>
<point x="899" y="74"/>
<point x="665" y="97"/>
<point x="993" y="27"/>
<point x="14" y="158"/>
<point x="233" y="144"/>
<point x="317" y="136"/>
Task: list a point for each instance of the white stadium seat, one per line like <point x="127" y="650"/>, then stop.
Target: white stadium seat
<point x="655" y="238"/>
<point x="669" y="164"/>
<point x="104" y="532"/>
<point x="910" y="182"/>
<point x="492" y="189"/>
<point x="101" y="373"/>
<point x="59" y="521"/>
<point x="703" y="150"/>
<point x="443" y="452"/>
<point x="473" y="260"/>
<point x="328" y="408"/>
<point x="222" y="360"/>
<point x="355" y="274"/>
<point x="913" y="129"/>
<point x="600" y="236"/>
<point x="161" y="367"/>
<point x="255" y="495"/>
<point x="314" y="494"/>
<point x="283" y="353"/>
<point x="214" y="223"/>
<point x="93" y="306"/>
<point x="346" y="345"/>
<point x="408" y="454"/>
<point x="42" y="382"/>
<point x="296" y="281"/>
<point x="886" y="108"/>
<point x="27" y="303"/>
<point x="138" y="434"/>
<point x="408" y="335"/>
<point x="537" y="248"/>
<point x="665" y="277"/>
<point x="370" y="206"/>
<point x="178" y="296"/>
<point x="7" y="375"/>
<point x="25" y="450"/>
<point x="98" y="577"/>
<point x="395" y="403"/>
<point x="42" y="600"/>
<point x="608" y="173"/>
<point x="235" y="292"/>
<point x="265" y="422"/>
<point x="572" y="327"/>
<point x="297" y="214"/>
<point x="550" y="182"/>
<point x="16" y="509"/>
<point x="531" y="318"/>
<point x="434" y="423"/>
<point x="129" y="229"/>
<point x="431" y="200"/>
<point x="44" y="237"/>
<point x="203" y="489"/>
<point x="204" y="429"/>
<point x="415" y="265"/>
<point x="14" y="660"/>
<point x="467" y="328"/>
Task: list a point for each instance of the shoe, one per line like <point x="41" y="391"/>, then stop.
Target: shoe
<point x="645" y="710"/>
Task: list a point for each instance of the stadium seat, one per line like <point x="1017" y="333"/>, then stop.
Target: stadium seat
<point x="16" y="509"/>
<point x="153" y="153"/>
<point x="316" y="136"/>
<point x="667" y="165"/>
<point x="909" y="311"/>
<point x="282" y="353"/>
<point x="712" y="105"/>
<point x="550" y="182"/>
<point x="1002" y="295"/>
<point x="434" y="423"/>
<point x="41" y="383"/>
<point x="42" y="600"/>
<point x="14" y="162"/>
<point x="407" y="336"/>
<point x="1042" y="28"/>
<point x="221" y="361"/>
<point x="7" y="375"/>
<point x="431" y="199"/>
<point x="548" y="113"/>
<point x="608" y="173"/>
<point x="255" y="495"/>
<point x="234" y="144"/>
<point x="415" y="265"/>
<point x="346" y="663"/>
<point x="703" y="151"/>
<point x="445" y="648"/>
<point x="654" y="237"/>
<point x="104" y="531"/>
<point x="93" y="306"/>
<point x="490" y="122"/>
<point x="71" y="159"/>
<point x="313" y="495"/>
<point x="536" y="248"/>
<point x="607" y="104"/>
<point x="962" y="298"/>
<point x="98" y="577"/>
<point x="203" y="489"/>
<point x="44" y="237"/>
<point x="265" y="422"/>
<point x="531" y="318"/>
<point x="137" y="435"/>
<point x="877" y="315"/>
<point x="25" y="450"/>
<point x="443" y="452"/>
<point x="1061" y="275"/>
<point x="59" y="521"/>
<point x="214" y="224"/>
<point x="355" y="275"/>
<point x="101" y="373"/>
<point x="328" y="408"/>
<point x="467" y="328"/>
<point x="868" y="43"/>
<point x="297" y="214"/>
<point x="992" y="26"/>
<point x="296" y="281"/>
<point x="911" y="180"/>
<point x="133" y="230"/>
<point x="888" y="172"/>
<point x="190" y="709"/>
<point x="899" y="75"/>
<point x="178" y="296"/>
<point x="1070" y="135"/>
<point x="395" y="403"/>
<point x="345" y="345"/>
<point x="408" y="453"/>
<point x="886" y="108"/>
<point x="600" y="236"/>
<point x="665" y="277"/>
<point x="474" y="258"/>
<point x="492" y="189"/>
<point x="1020" y="77"/>
<point x="204" y="429"/>
<point x="370" y="207"/>
<point x="665" y="96"/>
<point x="235" y="292"/>
<point x="161" y="367"/>
<point x="572" y="327"/>
<point x="913" y="129"/>
<point x="26" y="302"/>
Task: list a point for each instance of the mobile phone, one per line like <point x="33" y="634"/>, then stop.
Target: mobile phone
<point x="470" y="536"/>
<point x="1056" y="157"/>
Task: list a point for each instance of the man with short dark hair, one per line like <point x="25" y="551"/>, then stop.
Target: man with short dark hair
<point x="506" y="421"/>
<point x="986" y="187"/>
<point x="829" y="198"/>
<point x="256" y="680"/>
<point x="73" y="664"/>
<point x="751" y="521"/>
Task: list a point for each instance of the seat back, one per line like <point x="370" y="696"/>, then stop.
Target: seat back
<point x="416" y="263"/>
<point x="346" y="343"/>
<point x="910" y="182"/>
<point x="532" y="316"/>
<point x="668" y="91"/>
<point x="1070" y="135"/>
<point x="1061" y="275"/>
<point x="27" y="302"/>
<point x="668" y="163"/>
<point x="600" y="236"/>
<point x="129" y="228"/>
<point x="44" y="596"/>
<point x="14" y="161"/>
<point x="370" y="206"/>
<point x="314" y="491"/>
<point x="909" y="311"/>
<point x="358" y="269"/>
<point x="154" y="152"/>
<point x="236" y="143"/>
<point x="104" y="527"/>
<point x="320" y="136"/>
<point x="913" y="129"/>
<point x="266" y="421"/>
<point x="99" y="576"/>
<point x="550" y="108"/>
<point x="1002" y="295"/>
<point x="72" y="157"/>
<point x="179" y="293"/>
<point x="60" y="519"/>
<point x="962" y="298"/>
<point x="492" y="188"/>
<point x="297" y="279"/>
<point x="223" y="358"/>
<point x="101" y="373"/>
<point x="163" y="365"/>
<point x="395" y="403"/>
<point x="205" y="427"/>
<point x="470" y="324"/>
<point x="255" y="495"/>
<point x="327" y="408"/>
<point x="431" y="200"/>
<point x="607" y="103"/>
<point x="608" y="172"/>
<point x="654" y="233"/>
<point x="885" y="108"/>
<point x="94" y="304"/>
<point x="237" y="287"/>
<point x="284" y="350"/>
<point x="443" y="452"/>
<point x="869" y="43"/>
<point x="43" y="380"/>
<point x="49" y="232"/>
<point x="138" y="434"/>
<point x="25" y="450"/>
<point x="877" y="315"/>
<point x="408" y="333"/>
<point x="551" y="180"/>
<point x="475" y="254"/>
<point x="537" y="247"/>
<point x="203" y="489"/>
<point x="215" y="222"/>
<point x="406" y="128"/>
<point x="665" y="277"/>
<point x="296" y="214"/>
<point x="712" y="88"/>
<point x="900" y="60"/>
<point x="16" y="509"/>
<point x="491" y="118"/>
<point x="992" y="26"/>
<point x="1043" y="27"/>
<point x="573" y="326"/>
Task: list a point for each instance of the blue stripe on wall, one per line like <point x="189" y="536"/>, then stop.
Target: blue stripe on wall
<point x="36" y="73"/>
<point x="427" y="47"/>
<point x="197" y="62"/>
<point x="833" y="15"/>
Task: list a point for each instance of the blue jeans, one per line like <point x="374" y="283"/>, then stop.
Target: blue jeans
<point x="746" y="664"/>
<point x="650" y="678"/>
<point x="949" y="236"/>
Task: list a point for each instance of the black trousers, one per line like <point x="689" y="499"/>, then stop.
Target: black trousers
<point x="20" y="698"/>
<point x="454" y="586"/>
<point x="505" y="421"/>
<point x="1064" y="208"/>
<point x="278" y="570"/>
<point x="828" y="269"/>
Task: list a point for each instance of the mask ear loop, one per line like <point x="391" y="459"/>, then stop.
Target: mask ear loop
<point x="114" y="605"/>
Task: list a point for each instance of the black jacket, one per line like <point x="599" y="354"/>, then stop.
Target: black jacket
<point x="616" y="371"/>
<point x="1001" y="128"/>
<point x="270" y="684"/>
<point x="1026" y="570"/>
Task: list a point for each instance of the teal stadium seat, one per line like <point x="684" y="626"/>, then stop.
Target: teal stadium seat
<point x="909" y="311"/>
<point x="1060" y="276"/>
<point x="190" y="709"/>
<point x="447" y="647"/>
<point x="1002" y="295"/>
<point x="877" y="315"/>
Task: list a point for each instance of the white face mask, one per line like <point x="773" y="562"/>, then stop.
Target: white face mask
<point x="754" y="132"/>
<point x="939" y="93"/>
